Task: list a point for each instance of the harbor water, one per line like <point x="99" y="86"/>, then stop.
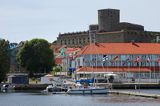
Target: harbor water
<point x="37" y="99"/>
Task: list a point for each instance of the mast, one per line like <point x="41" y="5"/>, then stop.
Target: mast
<point x="92" y="34"/>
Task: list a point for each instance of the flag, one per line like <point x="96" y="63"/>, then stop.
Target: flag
<point x="94" y="60"/>
<point x="116" y="58"/>
<point x="126" y="60"/>
<point x="148" y="60"/>
<point x="138" y="59"/>
<point x="158" y="60"/>
<point x="105" y="58"/>
<point x="74" y="57"/>
<point x="62" y="52"/>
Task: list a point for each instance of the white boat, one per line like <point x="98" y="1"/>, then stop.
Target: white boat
<point x="89" y="90"/>
<point x="85" y="89"/>
<point x="50" y="89"/>
<point x="7" y="87"/>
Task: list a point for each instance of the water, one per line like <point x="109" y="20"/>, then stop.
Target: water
<point x="36" y="99"/>
<point x="149" y="91"/>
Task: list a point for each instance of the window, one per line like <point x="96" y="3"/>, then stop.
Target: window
<point x="65" y="42"/>
<point x="80" y="41"/>
<point x="83" y="40"/>
<point x="72" y="41"/>
<point x="61" y="42"/>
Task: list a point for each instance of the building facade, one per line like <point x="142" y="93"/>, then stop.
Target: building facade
<point x="127" y="60"/>
<point x="108" y="30"/>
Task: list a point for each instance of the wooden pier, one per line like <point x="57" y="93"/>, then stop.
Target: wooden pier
<point x="140" y="94"/>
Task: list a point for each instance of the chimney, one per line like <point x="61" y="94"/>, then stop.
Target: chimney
<point x="133" y="42"/>
<point x="157" y="39"/>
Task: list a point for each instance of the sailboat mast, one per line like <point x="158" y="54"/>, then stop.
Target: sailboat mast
<point x="92" y="35"/>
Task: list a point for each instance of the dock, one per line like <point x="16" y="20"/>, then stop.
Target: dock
<point x="131" y="85"/>
<point x="140" y="94"/>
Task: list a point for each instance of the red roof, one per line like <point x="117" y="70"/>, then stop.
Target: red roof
<point x="113" y="69"/>
<point x="121" y="48"/>
<point x="58" y="60"/>
<point x="56" y="48"/>
<point x="71" y="50"/>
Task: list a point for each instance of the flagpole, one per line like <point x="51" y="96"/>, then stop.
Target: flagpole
<point x="150" y="68"/>
<point x="139" y="72"/>
<point x="159" y="70"/>
<point x="138" y="61"/>
<point x="107" y="65"/>
<point x="150" y="71"/>
<point x="103" y="62"/>
<point x="155" y="71"/>
<point x="128" y="67"/>
<point x="105" y="59"/>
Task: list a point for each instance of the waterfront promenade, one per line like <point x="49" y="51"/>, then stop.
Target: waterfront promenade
<point x="131" y="85"/>
<point x="110" y="85"/>
<point x="134" y="93"/>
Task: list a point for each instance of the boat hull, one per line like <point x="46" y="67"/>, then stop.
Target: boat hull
<point x="87" y="91"/>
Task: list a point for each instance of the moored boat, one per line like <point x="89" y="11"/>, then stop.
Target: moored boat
<point x="50" y="89"/>
<point x="90" y="90"/>
<point x="85" y="89"/>
<point x="7" y="87"/>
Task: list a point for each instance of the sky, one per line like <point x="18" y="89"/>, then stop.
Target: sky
<point x="22" y="20"/>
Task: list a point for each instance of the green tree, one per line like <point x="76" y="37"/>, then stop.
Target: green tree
<point x="36" y="56"/>
<point x="4" y="59"/>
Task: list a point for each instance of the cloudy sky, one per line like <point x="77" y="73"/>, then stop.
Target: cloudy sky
<point x="26" y="19"/>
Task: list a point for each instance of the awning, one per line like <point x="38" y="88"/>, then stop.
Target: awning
<point x="105" y="70"/>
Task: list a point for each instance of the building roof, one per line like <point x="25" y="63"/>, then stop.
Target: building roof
<point x="71" y="50"/>
<point x="111" y="69"/>
<point x="58" y="60"/>
<point x="68" y="52"/>
<point x="121" y="48"/>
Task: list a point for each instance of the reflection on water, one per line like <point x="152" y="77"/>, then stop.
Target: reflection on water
<point x="126" y="99"/>
<point x="36" y="99"/>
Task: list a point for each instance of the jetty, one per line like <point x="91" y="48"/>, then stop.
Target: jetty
<point x="131" y="85"/>
<point x="132" y="93"/>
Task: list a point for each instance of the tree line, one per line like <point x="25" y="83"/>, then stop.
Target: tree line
<point x="35" y="56"/>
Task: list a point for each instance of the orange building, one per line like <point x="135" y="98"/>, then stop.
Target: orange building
<point x="128" y="60"/>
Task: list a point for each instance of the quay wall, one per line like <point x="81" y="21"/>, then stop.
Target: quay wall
<point x="112" y="86"/>
<point x="131" y="85"/>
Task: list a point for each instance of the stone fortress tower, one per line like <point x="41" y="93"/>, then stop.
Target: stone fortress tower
<point x="108" y="30"/>
<point x="108" y="19"/>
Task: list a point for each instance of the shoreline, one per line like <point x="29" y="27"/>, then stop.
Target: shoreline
<point x="132" y="93"/>
<point x="112" y="86"/>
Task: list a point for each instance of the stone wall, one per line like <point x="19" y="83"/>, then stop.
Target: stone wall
<point x="73" y="40"/>
<point x="110" y="37"/>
